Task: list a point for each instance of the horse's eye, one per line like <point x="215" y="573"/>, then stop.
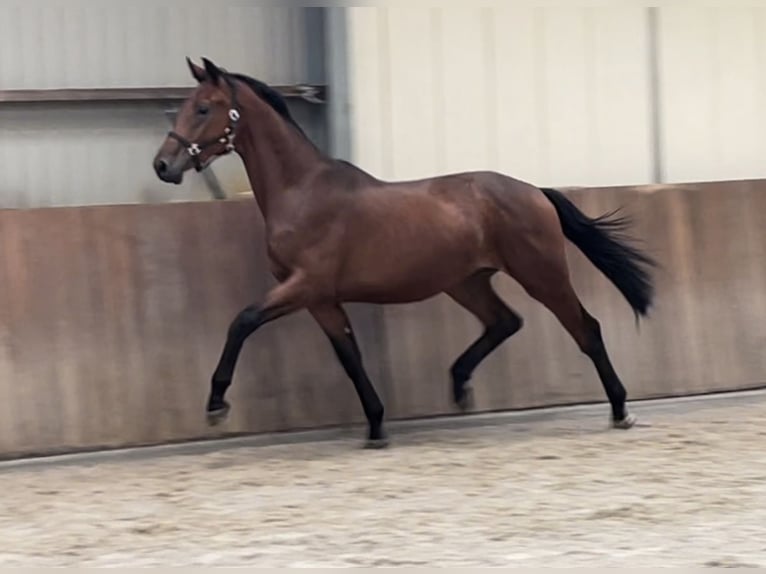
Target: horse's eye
<point x="203" y="110"/>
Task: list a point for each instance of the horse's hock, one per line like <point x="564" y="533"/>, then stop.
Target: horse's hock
<point x="112" y="319"/>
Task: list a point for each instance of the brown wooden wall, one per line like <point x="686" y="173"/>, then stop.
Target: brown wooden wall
<point x="112" y="318"/>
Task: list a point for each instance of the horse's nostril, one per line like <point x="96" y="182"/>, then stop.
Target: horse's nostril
<point x="162" y="166"/>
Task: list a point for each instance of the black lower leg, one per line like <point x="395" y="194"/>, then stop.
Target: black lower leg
<point x="285" y="298"/>
<point x="350" y="357"/>
<point x="596" y="350"/>
<point x="245" y="323"/>
<point x="462" y="369"/>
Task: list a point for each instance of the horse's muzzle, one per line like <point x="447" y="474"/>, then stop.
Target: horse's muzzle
<point x="167" y="172"/>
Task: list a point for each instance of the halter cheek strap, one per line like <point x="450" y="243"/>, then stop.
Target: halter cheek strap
<point x="195" y="149"/>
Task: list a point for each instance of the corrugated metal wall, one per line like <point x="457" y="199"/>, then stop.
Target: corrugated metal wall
<point x="560" y="96"/>
<point x="137" y="43"/>
<point x="69" y="154"/>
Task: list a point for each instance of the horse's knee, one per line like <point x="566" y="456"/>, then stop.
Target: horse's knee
<point x="244" y="323"/>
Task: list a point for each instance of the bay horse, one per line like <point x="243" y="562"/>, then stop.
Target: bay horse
<point x="336" y="234"/>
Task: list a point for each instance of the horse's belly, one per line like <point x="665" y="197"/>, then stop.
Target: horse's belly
<point x="403" y="292"/>
<point x="401" y="283"/>
<point x="402" y="258"/>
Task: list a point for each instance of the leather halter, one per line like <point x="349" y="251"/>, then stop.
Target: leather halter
<point x="195" y="149"/>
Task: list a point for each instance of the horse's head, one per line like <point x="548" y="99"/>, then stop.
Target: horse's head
<point x="205" y="126"/>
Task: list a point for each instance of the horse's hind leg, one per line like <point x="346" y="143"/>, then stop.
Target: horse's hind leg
<point x="560" y="297"/>
<point x="477" y="296"/>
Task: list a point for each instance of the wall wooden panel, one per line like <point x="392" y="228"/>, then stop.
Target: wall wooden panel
<point x="112" y="318"/>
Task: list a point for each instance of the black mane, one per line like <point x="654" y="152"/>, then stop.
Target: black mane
<point x="271" y="97"/>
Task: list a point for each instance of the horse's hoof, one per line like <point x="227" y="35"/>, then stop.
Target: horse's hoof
<point x="628" y="422"/>
<point x="217" y="416"/>
<point x="376" y="443"/>
<point x="465" y="401"/>
<point x="376" y="439"/>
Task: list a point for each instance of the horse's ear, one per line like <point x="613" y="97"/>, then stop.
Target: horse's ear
<point x="197" y="72"/>
<point x="213" y="71"/>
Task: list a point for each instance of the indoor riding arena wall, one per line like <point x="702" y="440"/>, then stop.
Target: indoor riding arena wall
<point x="112" y="319"/>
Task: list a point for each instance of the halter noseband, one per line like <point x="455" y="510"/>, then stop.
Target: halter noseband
<point x="195" y="149"/>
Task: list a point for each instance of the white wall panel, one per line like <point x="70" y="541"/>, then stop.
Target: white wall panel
<point x="369" y="90"/>
<point x="557" y="96"/>
<point x="410" y="64"/>
<point x="713" y="92"/>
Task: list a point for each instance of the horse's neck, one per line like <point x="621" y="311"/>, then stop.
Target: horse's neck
<point x="275" y="154"/>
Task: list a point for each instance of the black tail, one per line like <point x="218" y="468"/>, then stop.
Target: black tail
<point x="603" y="243"/>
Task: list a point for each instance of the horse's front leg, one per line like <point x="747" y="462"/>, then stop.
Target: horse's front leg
<point x="284" y="299"/>
<point x="334" y="322"/>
